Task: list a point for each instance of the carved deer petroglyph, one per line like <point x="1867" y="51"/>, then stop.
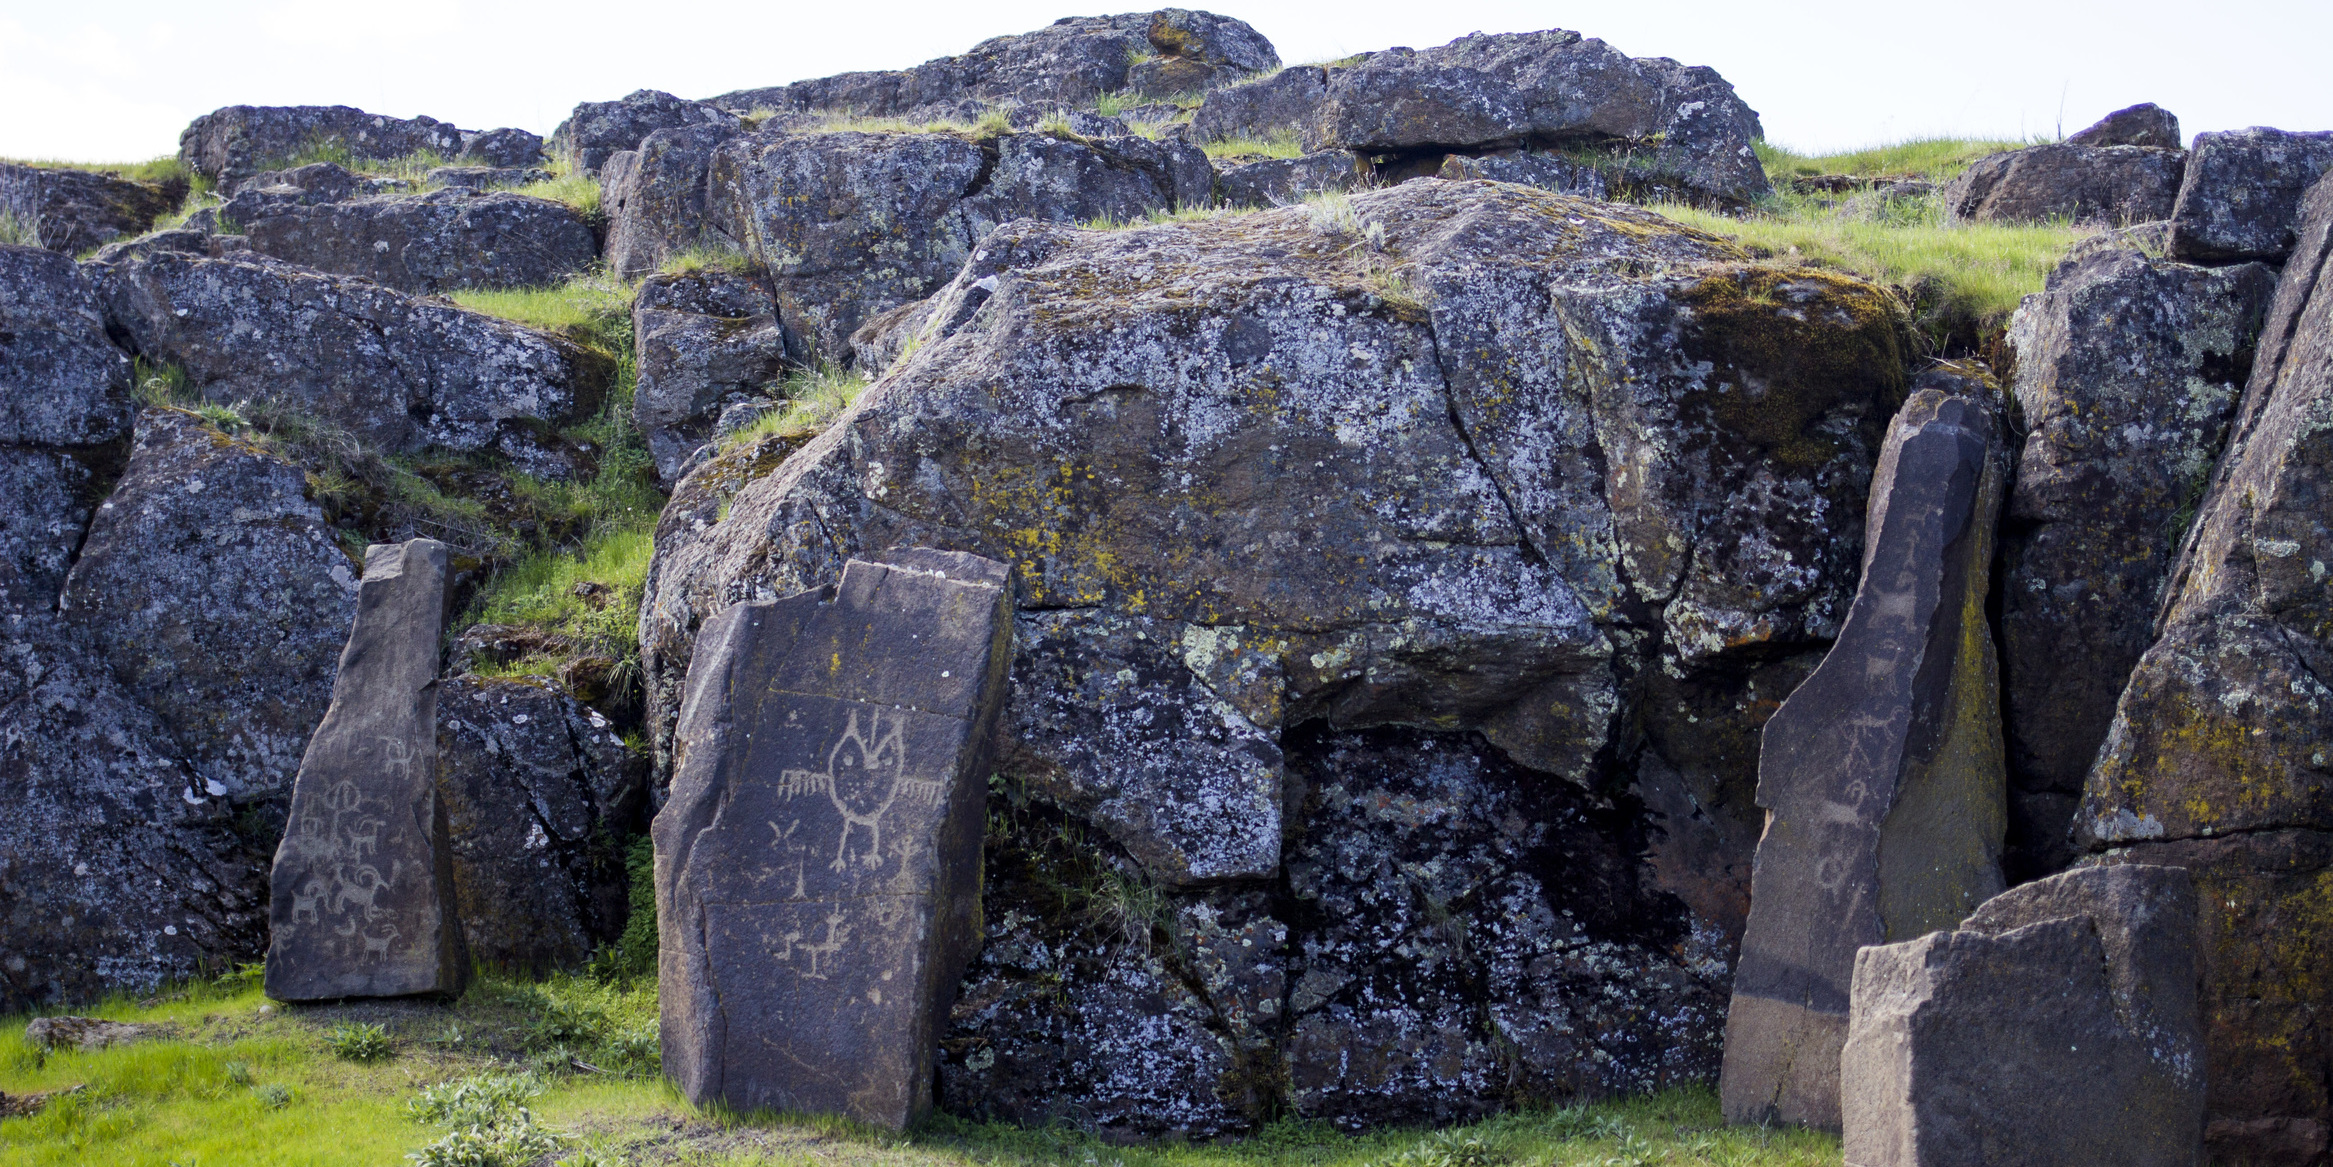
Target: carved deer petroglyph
<point x="377" y="947"/>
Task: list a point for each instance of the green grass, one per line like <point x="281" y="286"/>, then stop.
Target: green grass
<point x="991" y="124"/>
<point x="160" y="171"/>
<point x="1930" y="159"/>
<point x="708" y="258"/>
<point x="813" y="401"/>
<point x="595" y="308"/>
<point x="1284" y="144"/>
<point x="580" y="191"/>
<point x="572" y="1061"/>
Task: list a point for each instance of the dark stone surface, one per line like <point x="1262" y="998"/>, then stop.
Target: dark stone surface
<point x="1287" y="102"/>
<point x="1883" y="773"/>
<point x="506" y="148"/>
<point x="62" y="383"/>
<point x="2145" y="124"/>
<point x="317" y="182"/>
<point x="231" y="144"/>
<point x="75" y="210"/>
<point x="1547" y="89"/>
<point x="655" y="198"/>
<point x="1280" y="182"/>
<point x="403" y="373"/>
<point x="538" y="788"/>
<point x="1067" y="64"/>
<point x="220" y="597"/>
<point x="2128" y="371"/>
<point x="438" y="242"/>
<point x="483" y="177"/>
<point x="2241" y="198"/>
<point x="362" y="891"/>
<point x="2057" y="1025"/>
<point x="598" y="129"/>
<point x="703" y="340"/>
<point x="818" y="864"/>
<point x="2115" y="185"/>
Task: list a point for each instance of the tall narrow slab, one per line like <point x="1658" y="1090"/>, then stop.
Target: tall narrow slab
<point x="362" y="902"/>
<point x="818" y="864"/>
<point x="1882" y="775"/>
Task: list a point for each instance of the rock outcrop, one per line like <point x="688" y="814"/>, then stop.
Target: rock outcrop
<point x="1280" y="182"/>
<point x="508" y="148"/>
<point x="2145" y="124"/>
<point x="2057" y="1024"/>
<point x="75" y="210"/>
<point x="2241" y="198"/>
<point x="1287" y="102"/>
<point x="598" y="129"/>
<point x="811" y="966"/>
<point x="231" y="144"/>
<point x="438" y="242"/>
<point x="1346" y="466"/>
<point x="704" y="341"/>
<point x="402" y="373"/>
<point x="657" y="198"/>
<point x="538" y="788"/>
<point x="1067" y="64"/>
<point x="2128" y="371"/>
<point x="2114" y="185"/>
<point x="1882" y="775"/>
<point x="2216" y="758"/>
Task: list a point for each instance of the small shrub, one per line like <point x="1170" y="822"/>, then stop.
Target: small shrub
<point x="274" y="1096"/>
<point x="359" y="1041"/>
<point x="481" y="1100"/>
<point x="514" y="1145"/>
<point x="22" y="230"/>
<point x="489" y="1120"/>
<point x="238" y="1073"/>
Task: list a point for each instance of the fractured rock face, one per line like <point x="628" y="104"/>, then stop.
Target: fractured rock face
<point x="231" y="144"/>
<point x="2116" y="185"/>
<point x="598" y="129"/>
<point x="813" y="208"/>
<point x="402" y="373"/>
<point x="655" y="196"/>
<point x="705" y="340"/>
<point x="2242" y="195"/>
<point x="437" y="242"/>
<point x="1287" y="102"/>
<point x="1882" y="774"/>
<point x="818" y="864"/>
<point x="2145" y="124"/>
<point x="75" y="210"/>
<point x="220" y="596"/>
<point x="2128" y="371"/>
<point x="1279" y="182"/>
<point x="2058" y="1024"/>
<point x="362" y="892"/>
<point x="62" y="383"/>
<point x="1547" y="89"/>
<point x="536" y="786"/>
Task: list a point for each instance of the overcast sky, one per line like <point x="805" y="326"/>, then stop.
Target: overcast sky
<point x="118" y="81"/>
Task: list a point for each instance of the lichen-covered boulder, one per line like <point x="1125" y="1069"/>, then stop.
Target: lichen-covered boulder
<point x="2128" y="370"/>
<point x="537" y="788"/>
<point x="221" y="598"/>
<point x="1278" y="182"/>
<point x="2116" y="185"/>
<point x="483" y="177"/>
<point x="2216" y="757"/>
<point x="438" y="242"/>
<point x="1553" y="87"/>
<point x="400" y="372"/>
<point x="655" y="197"/>
<point x="1067" y="64"/>
<point x="2241" y="198"/>
<point x="851" y="224"/>
<point x="75" y="210"/>
<point x="1287" y="102"/>
<point x="231" y="144"/>
<point x="506" y="148"/>
<point x="64" y="415"/>
<point x="1467" y="458"/>
<point x="2144" y="124"/>
<point x="598" y="129"/>
<point x="703" y="340"/>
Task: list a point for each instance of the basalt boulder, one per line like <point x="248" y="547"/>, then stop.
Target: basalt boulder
<point x="64" y="420"/>
<point x="1278" y="182"/>
<point x="2145" y="124"/>
<point x="506" y="148"/>
<point x="1067" y="64"/>
<point x="438" y="242"/>
<point x="1468" y="459"/>
<point x="598" y="129"/>
<point x="655" y="198"/>
<point x="1286" y="103"/>
<point x="2241" y="198"/>
<point x="231" y="144"/>
<point x="2128" y="371"/>
<point x="704" y="341"/>
<point x="402" y="373"/>
<point x="75" y="210"/>
<point x="2115" y="185"/>
<point x="1547" y="89"/>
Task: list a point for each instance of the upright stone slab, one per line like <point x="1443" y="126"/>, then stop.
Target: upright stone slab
<point x="2058" y="1025"/>
<point x="362" y="896"/>
<point x="1882" y="775"/>
<point x="818" y="863"/>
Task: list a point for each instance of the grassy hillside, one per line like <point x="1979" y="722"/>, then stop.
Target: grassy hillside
<point x="564" y="1072"/>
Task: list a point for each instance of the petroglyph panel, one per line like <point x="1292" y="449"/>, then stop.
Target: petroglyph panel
<point x="363" y="885"/>
<point x="818" y="864"/>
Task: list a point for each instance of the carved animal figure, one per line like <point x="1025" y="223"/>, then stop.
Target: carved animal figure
<point x="377" y="947"/>
<point x="368" y="843"/>
<point x="864" y="772"/>
<point x="361" y="890"/>
<point x="305" y="902"/>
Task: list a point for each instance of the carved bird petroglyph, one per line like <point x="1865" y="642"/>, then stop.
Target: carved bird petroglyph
<point x="866" y="771"/>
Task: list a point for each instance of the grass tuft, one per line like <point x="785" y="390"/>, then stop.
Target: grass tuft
<point x="813" y="401"/>
<point x="1928" y="159"/>
<point x="359" y="1041"/>
<point x="1281" y="144"/>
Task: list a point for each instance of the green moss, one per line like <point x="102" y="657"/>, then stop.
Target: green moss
<point x="1794" y="344"/>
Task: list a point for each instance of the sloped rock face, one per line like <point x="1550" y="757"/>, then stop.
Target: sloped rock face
<point x="704" y="340"/>
<point x="2116" y="185"/>
<point x="506" y="148"/>
<point x="2128" y="370"/>
<point x="1547" y="89"/>
<point x="655" y="196"/>
<point x="220" y="598"/>
<point x="438" y="242"/>
<point x="75" y="210"/>
<point x="1069" y="63"/>
<point x="2216" y="756"/>
<point x="2241" y="198"/>
<point x="1477" y="461"/>
<point x="1278" y="182"/>
<point x="231" y="144"/>
<point x="537" y="789"/>
<point x="598" y="129"/>
<point x="1285" y="102"/>
<point x="811" y="208"/>
<point x="402" y="373"/>
<point x="2145" y="124"/>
